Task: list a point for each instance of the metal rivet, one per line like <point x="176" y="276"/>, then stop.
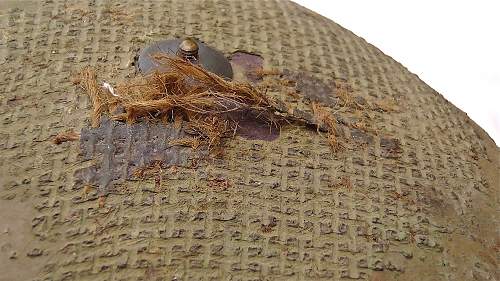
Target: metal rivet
<point x="188" y="50"/>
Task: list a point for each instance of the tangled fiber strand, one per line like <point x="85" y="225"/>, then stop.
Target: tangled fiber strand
<point x="88" y="80"/>
<point x="186" y="92"/>
<point x="326" y="120"/>
<point x="187" y="88"/>
<point x="201" y="98"/>
<point x="66" y="136"/>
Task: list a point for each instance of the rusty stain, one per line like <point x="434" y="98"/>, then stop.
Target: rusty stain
<point x="247" y="66"/>
<point x="310" y="87"/>
<point x="251" y="126"/>
<point x="121" y="149"/>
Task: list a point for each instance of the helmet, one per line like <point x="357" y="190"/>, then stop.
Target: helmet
<point x="402" y="186"/>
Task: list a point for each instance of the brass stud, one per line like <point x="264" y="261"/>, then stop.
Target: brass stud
<point x="188" y="50"/>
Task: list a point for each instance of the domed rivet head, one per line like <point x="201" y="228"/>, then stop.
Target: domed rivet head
<point x="188" y="50"/>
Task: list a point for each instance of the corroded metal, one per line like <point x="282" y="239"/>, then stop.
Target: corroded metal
<point x="246" y="66"/>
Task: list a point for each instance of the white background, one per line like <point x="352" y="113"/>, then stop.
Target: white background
<point x="454" y="46"/>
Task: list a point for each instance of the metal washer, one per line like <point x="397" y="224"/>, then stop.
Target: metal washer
<point x="209" y="58"/>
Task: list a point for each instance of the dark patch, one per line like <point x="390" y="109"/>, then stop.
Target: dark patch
<point x="391" y="148"/>
<point x="249" y="64"/>
<point x="311" y="87"/>
<point x="252" y="126"/>
<point x="361" y="136"/>
<point x="120" y="149"/>
<point x="308" y="119"/>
